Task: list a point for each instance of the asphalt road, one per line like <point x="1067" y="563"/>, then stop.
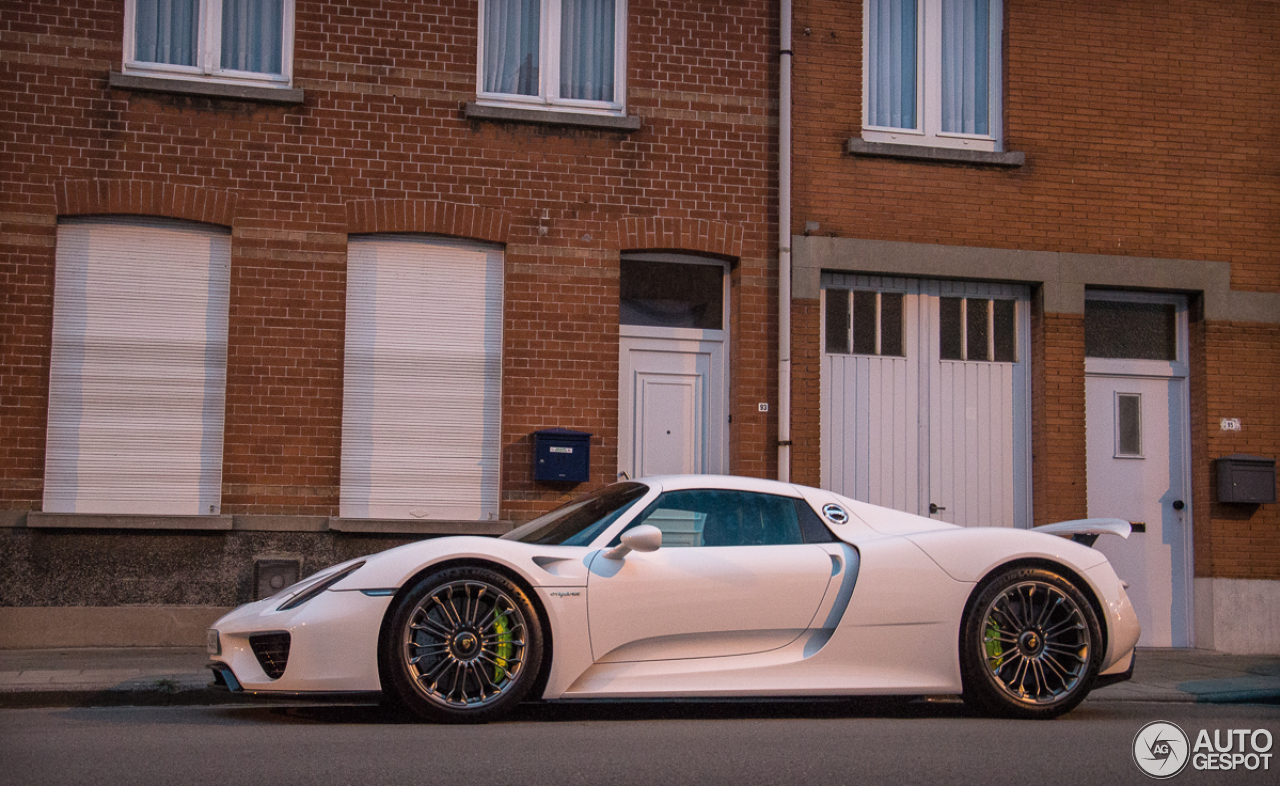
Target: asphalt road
<point x="596" y="745"/>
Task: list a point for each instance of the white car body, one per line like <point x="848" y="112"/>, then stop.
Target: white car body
<point x="876" y="611"/>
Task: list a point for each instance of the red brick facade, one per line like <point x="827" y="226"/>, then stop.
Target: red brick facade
<point x="381" y="143"/>
<point x="1149" y="132"/>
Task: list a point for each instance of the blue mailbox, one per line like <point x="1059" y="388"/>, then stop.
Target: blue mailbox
<point x="561" y="456"/>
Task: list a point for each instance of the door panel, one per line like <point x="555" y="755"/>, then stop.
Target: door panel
<point x="703" y="602"/>
<point x="1136" y="472"/>
<point x="671" y="404"/>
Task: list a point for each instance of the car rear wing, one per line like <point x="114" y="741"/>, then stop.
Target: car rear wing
<point x="1086" y="531"/>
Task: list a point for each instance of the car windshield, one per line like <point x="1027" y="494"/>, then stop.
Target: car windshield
<point x="578" y="522"/>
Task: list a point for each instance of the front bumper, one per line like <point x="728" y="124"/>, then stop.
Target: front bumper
<point x="332" y="645"/>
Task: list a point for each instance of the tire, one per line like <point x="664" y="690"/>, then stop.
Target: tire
<point x="1030" y="645"/>
<point x="463" y="646"/>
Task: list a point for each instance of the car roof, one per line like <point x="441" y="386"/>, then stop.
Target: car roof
<point x="725" y="482"/>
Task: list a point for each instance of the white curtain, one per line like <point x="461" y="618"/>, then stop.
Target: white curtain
<point x="587" y="49"/>
<point x="893" y="26"/>
<point x="166" y="31"/>
<point x="511" y="50"/>
<point x="966" y="66"/>
<point x="253" y="35"/>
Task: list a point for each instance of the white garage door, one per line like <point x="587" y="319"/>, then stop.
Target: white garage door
<point x="422" y="393"/>
<point x="925" y="394"/>
<point x="137" y="378"/>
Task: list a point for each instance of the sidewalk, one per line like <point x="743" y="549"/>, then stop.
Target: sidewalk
<point x="151" y="676"/>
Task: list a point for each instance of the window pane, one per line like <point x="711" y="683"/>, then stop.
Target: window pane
<point x="891" y="323"/>
<point x="838" y="321"/>
<point x="864" y="322"/>
<point x="1128" y="424"/>
<point x="253" y="35"/>
<point x="511" y="29"/>
<point x="891" y="62"/>
<point x="166" y="31"/>
<point x="586" y="49"/>
<point x="1006" y="334"/>
<point x="949" y="331"/>
<point x="667" y="294"/>
<point x="976" y="329"/>
<point x="723" y="518"/>
<point x="966" y="69"/>
<point x="1119" y="329"/>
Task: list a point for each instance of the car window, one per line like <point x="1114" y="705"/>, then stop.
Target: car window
<point x="714" y="517"/>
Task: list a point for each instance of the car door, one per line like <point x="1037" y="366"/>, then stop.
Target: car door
<point x="733" y="576"/>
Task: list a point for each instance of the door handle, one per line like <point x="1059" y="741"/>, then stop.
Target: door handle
<point x="934" y="508"/>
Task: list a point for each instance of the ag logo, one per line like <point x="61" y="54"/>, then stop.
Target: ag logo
<point x="1160" y="749"/>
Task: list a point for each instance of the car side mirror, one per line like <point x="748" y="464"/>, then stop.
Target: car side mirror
<point x="643" y="538"/>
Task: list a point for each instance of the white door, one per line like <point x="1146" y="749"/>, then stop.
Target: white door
<point x="925" y="397"/>
<point x="672" y="395"/>
<point x="734" y="576"/>
<point x="673" y="373"/>
<point x="1138" y="463"/>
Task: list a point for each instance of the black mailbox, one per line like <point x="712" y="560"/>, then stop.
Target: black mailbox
<point x="1250" y="479"/>
<point x="561" y="456"/>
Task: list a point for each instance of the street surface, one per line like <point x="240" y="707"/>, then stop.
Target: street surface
<point x="857" y="742"/>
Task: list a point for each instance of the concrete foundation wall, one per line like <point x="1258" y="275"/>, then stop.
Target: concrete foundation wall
<point x="1238" y="616"/>
<point x="42" y="627"/>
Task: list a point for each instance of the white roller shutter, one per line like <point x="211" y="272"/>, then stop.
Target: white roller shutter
<point x="421" y="413"/>
<point x="137" y="379"/>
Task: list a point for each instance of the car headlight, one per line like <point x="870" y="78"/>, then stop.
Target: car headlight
<point x="319" y="585"/>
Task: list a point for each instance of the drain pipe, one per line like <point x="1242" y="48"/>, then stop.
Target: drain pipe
<point x="784" y="242"/>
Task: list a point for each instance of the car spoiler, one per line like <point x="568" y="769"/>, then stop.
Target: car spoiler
<point x="1086" y="531"/>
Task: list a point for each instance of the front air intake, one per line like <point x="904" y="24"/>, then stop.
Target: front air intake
<point x="272" y="651"/>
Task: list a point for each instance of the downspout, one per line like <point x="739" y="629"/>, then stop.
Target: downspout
<point x="784" y="242"/>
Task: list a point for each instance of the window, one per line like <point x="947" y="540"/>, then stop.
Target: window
<point x="137" y="378"/>
<point x="707" y="517"/>
<point x="864" y="322"/>
<point x="422" y="379"/>
<point x="932" y="73"/>
<point x="554" y="54"/>
<point x="235" y="41"/>
<point x="670" y="294"/>
<point x="977" y="329"/>
<point x="1125" y="329"/>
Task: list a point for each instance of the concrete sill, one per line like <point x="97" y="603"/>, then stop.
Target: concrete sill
<point x="475" y="111"/>
<point x="37" y="520"/>
<point x="289" y="96"/>
<point x="945" y="155"/>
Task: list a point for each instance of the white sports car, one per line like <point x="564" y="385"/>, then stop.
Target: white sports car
<point x="700" y="586"/>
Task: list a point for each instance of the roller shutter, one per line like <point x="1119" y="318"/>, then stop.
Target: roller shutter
<point x="138" y="368"/>
<point x="421" y="415"/>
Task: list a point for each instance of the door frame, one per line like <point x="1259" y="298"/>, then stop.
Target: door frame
<point x="1178" y="369"/>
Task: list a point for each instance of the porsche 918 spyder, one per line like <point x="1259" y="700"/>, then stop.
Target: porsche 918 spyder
<point x="700" y="586"/>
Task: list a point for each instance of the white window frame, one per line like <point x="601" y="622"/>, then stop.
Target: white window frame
<point x="209" y="51"/>
<point x="549" y="67"/>
<point x="929" y="85"/>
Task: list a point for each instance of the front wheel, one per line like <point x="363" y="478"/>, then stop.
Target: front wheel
<point x="1030" y="645"/>
<point x="463" y="646"/>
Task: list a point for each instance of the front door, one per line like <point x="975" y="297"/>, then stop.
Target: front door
<point x="1136" y="421"/>
<point x="734" y="576"/>
<point x="672" y="393"/>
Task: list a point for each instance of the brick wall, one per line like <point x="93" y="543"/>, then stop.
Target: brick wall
<point x="381" y="144"/>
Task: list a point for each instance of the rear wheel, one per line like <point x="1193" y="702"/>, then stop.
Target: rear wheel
<point x="1030" y="645"/>
<point x="463" y="646"/>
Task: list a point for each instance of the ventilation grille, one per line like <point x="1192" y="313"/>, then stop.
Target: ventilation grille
<point x="272" y="650"/>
